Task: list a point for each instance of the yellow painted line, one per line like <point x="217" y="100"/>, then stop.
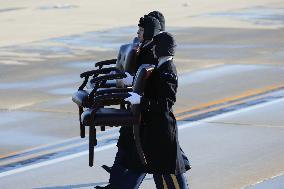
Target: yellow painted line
<point x="186" y="116"/>
<point x="37" y="147"/>
<point x="207" y="110"/>
<point x="233" y="98"/>
<point x="42" y="146"/>
<point x="30" y="156"/>
<point x="57" y="149"/>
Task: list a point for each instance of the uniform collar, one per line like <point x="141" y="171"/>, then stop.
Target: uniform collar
<point x="164" y="59"/>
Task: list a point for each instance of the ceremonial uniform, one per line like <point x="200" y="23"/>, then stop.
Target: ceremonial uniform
<point x="120" y="175"/>
<point x="165" y="159"/>
<point x="159" y="133"/>
<point x="144" y="55"/>
<point x="160" y="142"/>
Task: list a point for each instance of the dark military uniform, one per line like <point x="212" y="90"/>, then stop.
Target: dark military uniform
<point x="145" y="55"/>
<point x="126" y="138"/>
<point x="126" y="143"/>
<point x="119" y="177"/>
<point x="160" y="133"/>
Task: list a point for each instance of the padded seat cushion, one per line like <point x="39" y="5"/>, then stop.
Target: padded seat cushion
<point x="109" y="117"/>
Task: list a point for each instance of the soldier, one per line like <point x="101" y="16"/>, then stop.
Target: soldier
<point x="120" y="177"/>
<point x="160" y="134"/>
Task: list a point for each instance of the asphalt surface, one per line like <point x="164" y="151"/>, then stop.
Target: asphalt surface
<point x="234" y="149"/>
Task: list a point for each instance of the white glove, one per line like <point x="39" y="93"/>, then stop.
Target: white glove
<point x="128" y="80"/>
<point x="134" y="98"/>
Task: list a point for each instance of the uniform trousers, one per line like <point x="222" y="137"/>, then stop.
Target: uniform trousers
<point x="123" y="178"/>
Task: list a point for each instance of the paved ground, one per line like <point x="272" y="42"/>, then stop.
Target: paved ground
<point x="229" y="58"/>
<point x="230" y="150"/>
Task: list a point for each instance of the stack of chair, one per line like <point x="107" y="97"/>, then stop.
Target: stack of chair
<point x="102" y="88"/>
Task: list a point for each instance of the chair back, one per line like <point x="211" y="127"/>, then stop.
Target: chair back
<point x="126" y="59"/>
<point x="141" y="77"/>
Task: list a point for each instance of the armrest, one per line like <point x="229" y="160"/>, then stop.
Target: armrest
<point x="87" y="74"/>
<point x="105" y="62"/>
<point x="109" y="77"/>
<point x="84" y="83"/>
<point x="99" y="71"/>
<point x="110" y="99"/>
<point x="101" y="80"/>
<point x="113" y="90"/>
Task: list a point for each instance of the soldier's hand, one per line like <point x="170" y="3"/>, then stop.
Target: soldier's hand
<point x="134" y="98"/>
<point x="128" y="80"/>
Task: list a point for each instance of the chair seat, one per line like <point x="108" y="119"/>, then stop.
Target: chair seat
<point x="110" y="117"/>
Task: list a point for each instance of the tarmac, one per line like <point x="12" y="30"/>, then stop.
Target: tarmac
<point x="242" y="148"/>
<point x="229" y="103"/>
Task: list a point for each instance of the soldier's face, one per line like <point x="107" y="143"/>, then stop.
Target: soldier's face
<point x="140" y="33"/>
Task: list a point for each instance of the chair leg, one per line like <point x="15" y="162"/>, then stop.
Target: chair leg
<point x="82" y="127"/>
<point x="92" y="144"/>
